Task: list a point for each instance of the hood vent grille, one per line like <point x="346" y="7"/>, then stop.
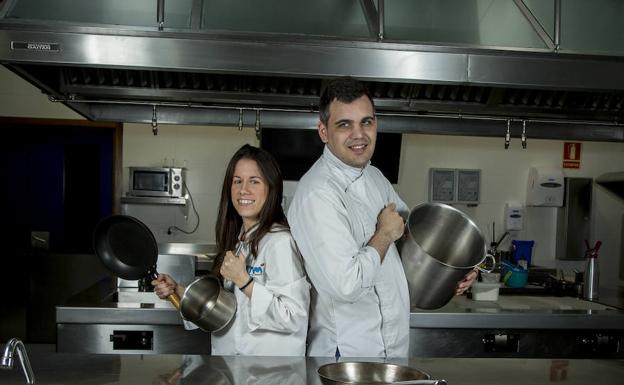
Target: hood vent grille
<point x="76" y="77"/>
<point x="564" y="100"/>
<point x="84" y="82"/>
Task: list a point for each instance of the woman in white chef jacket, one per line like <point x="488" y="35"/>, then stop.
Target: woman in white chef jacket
<point x="258" y="259"/>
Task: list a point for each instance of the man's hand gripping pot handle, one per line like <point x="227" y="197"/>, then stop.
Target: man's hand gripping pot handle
<point x="390" y="227"/>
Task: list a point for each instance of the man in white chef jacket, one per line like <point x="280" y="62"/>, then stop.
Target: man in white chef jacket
<point x="345" y="217"/>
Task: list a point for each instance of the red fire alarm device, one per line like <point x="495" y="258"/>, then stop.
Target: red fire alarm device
<point x="571" y="155"/>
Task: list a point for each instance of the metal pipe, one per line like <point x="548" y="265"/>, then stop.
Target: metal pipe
<point x="557" y="25"/>
<point x="258" y="124"/>
<point x="523" y="136"/>
<point x="160" y="14"/>
<point x="4" y="8"/>
<point x="535" y="24"/>
<point x="7" y="358"/>
<point x="154" y="122"/>
<point x="371" y="15"/>
<point x="507" y="135"/>
<point x="380" y="113"/>
<point x="196" y="14"/>
<point x="501" y="119"/>
<point x="382" y="27"/>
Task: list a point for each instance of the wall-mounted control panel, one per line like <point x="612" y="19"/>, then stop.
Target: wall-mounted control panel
<point x="442" y="185"/>
<point x="453" y="185"/>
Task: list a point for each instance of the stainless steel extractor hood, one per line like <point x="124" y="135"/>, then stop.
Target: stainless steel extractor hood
<point x="220" y="62"/>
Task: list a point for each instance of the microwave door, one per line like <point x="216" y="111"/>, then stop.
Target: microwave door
<point x="150" y="182"/>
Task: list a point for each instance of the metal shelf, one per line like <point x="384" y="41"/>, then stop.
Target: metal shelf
<point x="153" y="200"/>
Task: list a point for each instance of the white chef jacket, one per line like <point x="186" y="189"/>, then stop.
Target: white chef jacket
<point x="274" y="321"/>
<point x="359" y="305"/>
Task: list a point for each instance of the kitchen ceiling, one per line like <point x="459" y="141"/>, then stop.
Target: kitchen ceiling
<point x="218" y="62"/>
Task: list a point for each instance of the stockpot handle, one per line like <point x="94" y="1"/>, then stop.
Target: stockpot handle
<point x="486" y="270"/>
<point x="420" y="382"/>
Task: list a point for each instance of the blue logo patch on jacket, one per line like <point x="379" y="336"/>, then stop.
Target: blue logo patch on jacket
<point x="256" y="270"/>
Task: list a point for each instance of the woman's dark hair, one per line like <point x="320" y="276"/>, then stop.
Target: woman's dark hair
<point x="344" y="89"/>
<point x="229" y="223"/>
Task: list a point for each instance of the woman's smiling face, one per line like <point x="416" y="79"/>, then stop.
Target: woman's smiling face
<point x="249" y="191"/>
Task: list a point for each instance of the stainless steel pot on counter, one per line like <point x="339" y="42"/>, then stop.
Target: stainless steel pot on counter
<point x="373" y="373"/>
<point x="441" y="246"/>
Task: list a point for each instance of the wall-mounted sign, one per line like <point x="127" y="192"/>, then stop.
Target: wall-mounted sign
<point x="571" y="155"/>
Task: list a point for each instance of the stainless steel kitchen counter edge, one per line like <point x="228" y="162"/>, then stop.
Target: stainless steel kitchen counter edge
<point x="486" y="318"/>
<point x="520" y="319"/>
<point x="146" y="314"/>
<point x="116" y="369"/>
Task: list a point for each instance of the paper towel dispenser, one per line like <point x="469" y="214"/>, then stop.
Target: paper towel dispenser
<point x="545" y="187"/>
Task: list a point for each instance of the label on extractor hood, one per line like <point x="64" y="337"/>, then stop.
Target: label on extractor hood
<point x="35" y="46"/>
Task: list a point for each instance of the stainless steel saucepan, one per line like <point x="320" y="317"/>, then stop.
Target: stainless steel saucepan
<point x="373" y="373"/>
<point x="207" y="304"/>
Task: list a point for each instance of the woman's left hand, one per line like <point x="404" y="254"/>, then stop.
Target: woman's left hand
<point x="234" y="269"/>
<point x="465" y="283"/>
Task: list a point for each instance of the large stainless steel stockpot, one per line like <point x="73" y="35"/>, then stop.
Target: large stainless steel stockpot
<point x="373" y="373"/>
<point x="441" y="246"/>
<point x="207" y="304"/>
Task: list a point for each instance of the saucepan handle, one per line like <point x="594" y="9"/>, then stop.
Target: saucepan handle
<point x="487" y="270"/>
<point x="175" y="300"/>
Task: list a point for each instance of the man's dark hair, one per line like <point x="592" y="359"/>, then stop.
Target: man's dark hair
<point x="344" y="89"/>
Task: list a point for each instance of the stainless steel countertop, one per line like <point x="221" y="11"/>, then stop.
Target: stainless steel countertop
<point x="520" y="312"/>
<point x="79" y="369"/>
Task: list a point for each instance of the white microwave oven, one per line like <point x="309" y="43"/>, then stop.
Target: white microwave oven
<point x="156" y="182"/>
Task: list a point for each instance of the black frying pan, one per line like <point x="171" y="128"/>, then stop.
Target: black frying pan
<point x="127" y="247"/>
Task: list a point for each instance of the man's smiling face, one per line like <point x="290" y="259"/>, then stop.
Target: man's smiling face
<point x="351" y="131"/>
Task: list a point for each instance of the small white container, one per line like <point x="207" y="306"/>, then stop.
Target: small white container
<point x="490" y="277"/>
<point x="484" y="291"/>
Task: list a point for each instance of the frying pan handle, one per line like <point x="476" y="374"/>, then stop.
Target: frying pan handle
<point x="175" y="300"/>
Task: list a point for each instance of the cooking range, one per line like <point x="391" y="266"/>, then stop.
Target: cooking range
<point x="132" y="319"/>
